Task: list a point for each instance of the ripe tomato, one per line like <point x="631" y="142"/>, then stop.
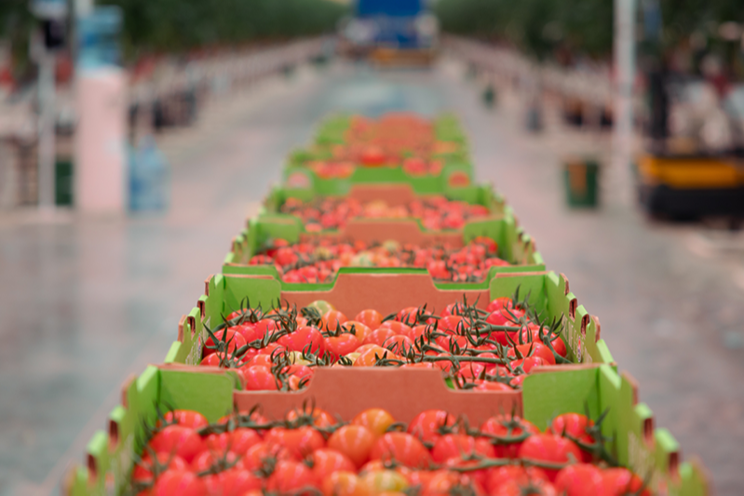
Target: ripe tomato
<point x="249" y="332"/>
<point x="338" y="346"/>
<point x="513" y="487"/>
<point x="458" y="445"/>
<point x="446" y="482"/>
<point x="236" y="482"/>
<point x="581" y="479"/>
<point x="378" y="482"/>
<point x="207" y="460"/>
<point x="259" y="378"/>
<point x="320" y="418"/>
<point x="429" y="425"/>
<point x="177" y="440"/>
<point x="288" y="476"/>
<point x="186" y="418"/>
<point x="492" y="386"/>
<point x="549" y="448"/>
<point x="354" y="441"/>
<point x="397" y="327"/>
<point x="228" y="340"/>
<point x="533" y="350"/>
<point x="507" y="426"/>
<point x="378" y="336"/>
<point x="528" y="363"/>
<point x="304" y="338"/>
<point x="325" y="461"/>
<point x="300" y="442"/>
<point x="238" y="441"/>
<point x="370" y="356"/>
<point x="403" y="448"/>
<point x="262" y="454"/>
<point x="523" y="475"/>
<point x="574" y="425"/>
<point x="370" y="318"/>
<point x="376" y="420"/>
<point x="333" y="319"/>
<point x="143" y="471"/>
<point x="400" y="345"/>
<point x="340" y="483"/>
<point x="621" y="481"/>
<point x="179" y="483"/>
<point x="356" y="328"/>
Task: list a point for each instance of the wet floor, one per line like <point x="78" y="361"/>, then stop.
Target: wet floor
<point x="86" y="302"/>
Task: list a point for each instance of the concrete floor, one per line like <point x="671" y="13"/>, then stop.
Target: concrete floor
<point x="88" y="302"/>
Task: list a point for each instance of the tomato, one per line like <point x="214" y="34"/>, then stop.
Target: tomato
<point x="574" y="426"/>
<point x="319" y="417"/>
<point x="459" y="445"/>
<point x="266" y="326"/>
<point x="508" y="426"/>
<point x="446" y="483"/>
<point x="524" y="475"/>
<point x="179" y="483"/>
<point x="249" y="332"/>
<point x="354" y="441"/>
<point x="186" y="418"/>
<point x="400" y="345"/>
<point x="228" y="339"/>
<point x="289" y="476"/>
<point x="333" y="319"/>
<point x="513" y="487"/>
<point x="340" y="483"/>
<point x="528" y="363"/>
<point x="262" y="454"/>
<point x="358" y="329"/>
<point x="143" y="471"/>
<point x="492" y="386"/>
<point x="377" y="482"/>
<point x="559" y="346"/>
<point x="408" y="315"/>
<point x="237" y="482"/>
<point x="177" y="440"/>
<point x="533" y="350"/>
<point x="259" y="378"/>
<point x="338" y="346"/>
<point x="429" y="425"/>
<point x="402" y="447"/>
<point x="376" y="420"/>
<point x="300" y="442"/>
<point x="207" y="460"/>
<point x="581" y="479"/>
<point x="238" y="441"/>
<point x="378" y="336"/>
<point x="621" y="481"/>
<point x="369" y="357"/>
<point x="370" y="318"/>
<point x="549" y="448"/>
<point x="397" y="327"/>
<point x="304" y="339"/>
<point x="325" y="461"/>
<point x="452" y="323"/>
<point x="321" y="306"/>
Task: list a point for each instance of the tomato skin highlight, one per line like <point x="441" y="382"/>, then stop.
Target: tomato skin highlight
<point x="580" y="480"/>
<point x="178" y="440"/>
<point x="299" y="442"/>
<point x="326" y="461"/>
<point x="549" y="448"/>
<point x="402" y="447"/>
<point x="354" y="441"/>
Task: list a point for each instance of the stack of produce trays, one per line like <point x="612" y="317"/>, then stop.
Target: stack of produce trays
<point x="384" y="327"/>
<point x="403" y="148"/>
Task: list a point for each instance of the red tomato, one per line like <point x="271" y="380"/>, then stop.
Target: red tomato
<point x="621" y="481"/>
<point x="319" y="417"/>
<point x="238" y="441"/>
<point x="492" y="386"/>
<point x="340" y="484"/>
<point x="505" y="427"/>
<point x="236" y="482"/>
<point x="519" y="473"/>
<point x="458" y="445"/>
<point x="179" y="483"/>
<point x="228" y="339"/>
<point x="300" y="442"/>
<point x="259" y="378"/>
<point x="288" y="476"/>
<point x="528" y="363"/>
<point x="429" y="425"/>
<point x="263" y="453"/>
<point x="581" y="479"/>
<point x="344" y="344"/>
<point x="574" y="425"/>
<point x="144" y="470"/>
<point x="397" y="327"/>
<point x="186" y="418"/>
<point x="534" y="350"/>
<point x="513" y="487"/>
<point x="206" y="460"/>
<point x="333" y="319"/>
<point x="177" y="440"/>
<point x="378" y="336"/>
<point x="400" y="345"/>
<point x="370" y="318"/>
<point x="304" y="339"/>
<point x="249" y="332"/>
<point x="354" y="441"/>
<point x="549" y="448"/>
<point x="402" y="447"/>
<point x="325" y="461"/>
<point x="446" y="483"/>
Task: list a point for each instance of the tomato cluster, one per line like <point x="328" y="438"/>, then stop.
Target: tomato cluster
<point x="475" y="349"/>
<point x="310" y="452"/>
<point x="319" y="261"/>
<point x="436" y="212"/>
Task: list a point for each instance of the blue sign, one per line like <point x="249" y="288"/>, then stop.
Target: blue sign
<point x="99" y="37"/>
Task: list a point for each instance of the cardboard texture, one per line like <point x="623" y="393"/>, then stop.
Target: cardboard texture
<point x="110" y="455"/>
<point x="515" y="245"/>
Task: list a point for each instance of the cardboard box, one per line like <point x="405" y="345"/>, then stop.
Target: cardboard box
<point x="635" y="443"/>
<point x="389" y="292"/>
<point x="515" y="246"/>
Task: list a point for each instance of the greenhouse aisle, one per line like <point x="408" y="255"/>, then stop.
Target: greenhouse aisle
<point x="95" y="300"/>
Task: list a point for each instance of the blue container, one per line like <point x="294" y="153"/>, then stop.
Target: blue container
<point x="149" y="178"/>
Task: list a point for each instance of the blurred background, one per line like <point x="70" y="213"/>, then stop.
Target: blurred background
<point x="137" y="135"/>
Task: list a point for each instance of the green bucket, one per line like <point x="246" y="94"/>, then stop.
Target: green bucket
<point x="581" y="180"/>
<point x="63" y="183"/>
